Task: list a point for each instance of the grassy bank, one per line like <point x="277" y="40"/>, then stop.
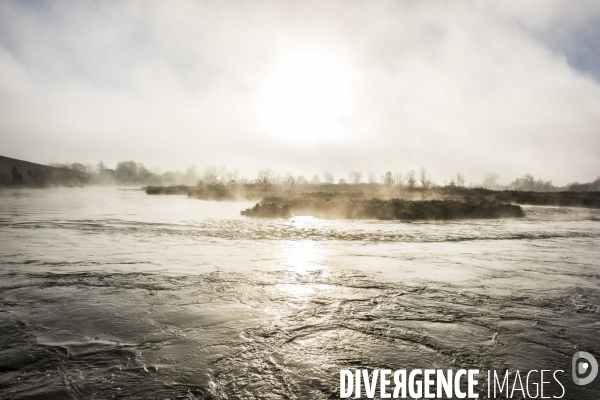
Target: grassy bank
<point x="393" y="209"/>
<point x="214" y="192"/>
<point x="366" y="192"/>
<point x="562" y="199"/>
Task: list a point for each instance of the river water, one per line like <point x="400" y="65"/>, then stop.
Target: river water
<point x="110" y="293"/>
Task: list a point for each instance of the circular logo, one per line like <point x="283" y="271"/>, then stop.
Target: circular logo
<point x="584" y="364"/>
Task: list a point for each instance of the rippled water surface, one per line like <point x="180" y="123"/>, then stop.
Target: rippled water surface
<point x="109" y="293"/>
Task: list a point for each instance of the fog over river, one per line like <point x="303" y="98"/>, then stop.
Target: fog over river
<point x="110" y="293"/>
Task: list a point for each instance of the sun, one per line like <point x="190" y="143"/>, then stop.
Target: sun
<point x="307" y="97"/>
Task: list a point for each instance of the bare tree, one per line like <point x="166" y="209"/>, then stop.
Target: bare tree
<point x="301" y="180"/>
<point x="529" y="183"/>
<point x="372" y="177"/>
<point x="144" y="173"/>
<point x="190" y="175"/>
<point x="222" y="174"/>
<point x="316" y="179"/>
<point x="80" y="167"/>
<point x="277" y="179"/>
<point x="210" y="174"/>
<point x="460" y="179"/>
<point x="388" y="179"/>
<point x="100" y="167"/>
<point x="411" y="178"/>
<point x="355" y="177"/>
<point x="328" y="178"/>
<point x="289" y="182"/>
<point x="424" y="178"/>
<point x="399" y="179"/>
<point x="157" y="171"/>
<point x="75" y="167"/>
<point x="342" y="181"/>
<point x="233" y="176"/>
<point x="490" y="181"/>
<point x="265" y="176"/>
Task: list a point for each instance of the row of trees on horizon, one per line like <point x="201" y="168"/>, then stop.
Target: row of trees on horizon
<point x="131" y="172"/>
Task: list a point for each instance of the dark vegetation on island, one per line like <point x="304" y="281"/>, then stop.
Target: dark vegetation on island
<point x="392" y="209"/>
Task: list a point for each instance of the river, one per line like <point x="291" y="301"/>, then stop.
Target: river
<point x="111" y="293"/>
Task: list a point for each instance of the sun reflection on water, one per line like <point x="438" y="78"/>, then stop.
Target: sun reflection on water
<point x="298" y="291"/>
<point x="302" y="257"/>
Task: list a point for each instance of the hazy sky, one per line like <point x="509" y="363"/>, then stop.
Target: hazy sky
<point x="510" y="87"/>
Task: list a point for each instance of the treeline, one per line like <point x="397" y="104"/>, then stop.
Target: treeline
<point x="529" y="184"/>
<point x="132" y="173"/>
<point x="135" y="173"/>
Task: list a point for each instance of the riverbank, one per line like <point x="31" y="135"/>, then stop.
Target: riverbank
<point x="254" y="192"/>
